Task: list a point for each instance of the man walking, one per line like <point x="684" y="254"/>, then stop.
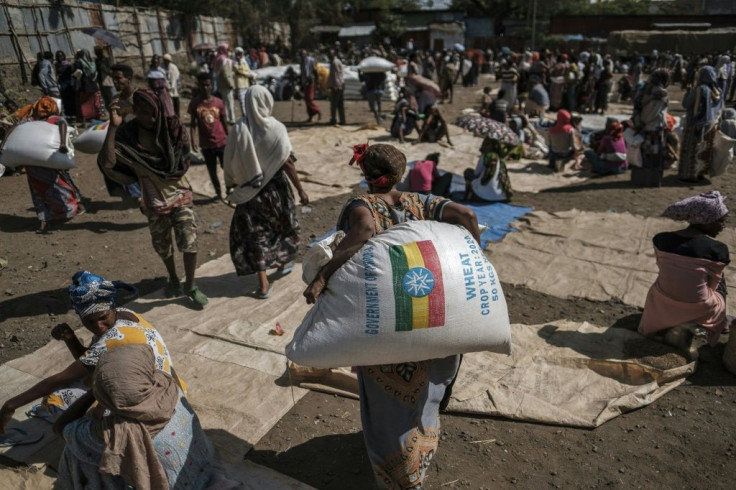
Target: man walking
<point x="47" y="76"/>
<point x="309" y="85"/>
<point x="174" y="77"/>
<point x="336" y="84"/>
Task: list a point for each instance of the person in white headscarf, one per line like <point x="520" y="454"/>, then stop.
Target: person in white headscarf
<point x="724" y="72"/>
<point x="728" y="123"/>
<point x="264" y="232"/>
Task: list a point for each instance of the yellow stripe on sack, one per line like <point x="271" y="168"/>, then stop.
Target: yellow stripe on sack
<point x="419" y="306"/>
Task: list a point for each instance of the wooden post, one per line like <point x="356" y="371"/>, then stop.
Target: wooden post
<point x="162" y="33"/>
<point x="139" y="38"/>
<point x="22" y="61"/>
<point x="66" y="31"/>
<point x="110" y="51"/>
<point x="214" y="30"/>
<point x="38" y="31"/>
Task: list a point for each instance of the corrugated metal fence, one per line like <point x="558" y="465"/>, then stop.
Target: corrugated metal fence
<point x="31" y="26"/>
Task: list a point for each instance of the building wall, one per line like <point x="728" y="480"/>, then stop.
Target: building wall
<point x="601" y="25"/>
<point x="719" y="7"/>
<point x="442" y="37"/>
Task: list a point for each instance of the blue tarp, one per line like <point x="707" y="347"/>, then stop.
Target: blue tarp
<point x="496" y="216"/>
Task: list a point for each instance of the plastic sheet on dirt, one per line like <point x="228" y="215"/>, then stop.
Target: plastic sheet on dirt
<point x="562" y="373"/>
<point x="235" y="369"/>
<point x="594" y="255"/>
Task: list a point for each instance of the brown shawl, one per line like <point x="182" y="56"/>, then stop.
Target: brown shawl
<point x="142" y="400"/>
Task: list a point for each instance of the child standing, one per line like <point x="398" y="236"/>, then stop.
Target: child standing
<point x="208" y="116"/>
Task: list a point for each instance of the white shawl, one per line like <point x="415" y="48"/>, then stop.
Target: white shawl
<point x="256" y="148"/>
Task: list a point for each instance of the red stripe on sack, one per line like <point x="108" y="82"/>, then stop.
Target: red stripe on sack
<point x="437" y="296"/>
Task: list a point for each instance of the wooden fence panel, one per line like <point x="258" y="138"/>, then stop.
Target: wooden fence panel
<point x="31" y="26"/>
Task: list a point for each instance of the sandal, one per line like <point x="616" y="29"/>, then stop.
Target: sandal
<point x="286" y="269"/>
<point x="173" y="290"/>
<point x="258" y="294"/>
<point x="197" y="297"/>
<point x="44" y="412"/>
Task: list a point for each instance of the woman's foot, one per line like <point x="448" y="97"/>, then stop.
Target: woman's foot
<point x="173" y="289"/>
<point x="43" y="229"/>
<point x="286" y="268"/>
<point x="261" y="294"/>
<point x="198" y="298"/>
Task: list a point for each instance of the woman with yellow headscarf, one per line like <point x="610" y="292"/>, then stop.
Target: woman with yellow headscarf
<point x="55" y="196"/>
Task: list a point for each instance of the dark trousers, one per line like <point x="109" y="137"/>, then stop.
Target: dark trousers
<point x="337" y="104"/>
<point x="647" y="177"/>
<point x="175" y="101"/>
<point x="211" y="155"/>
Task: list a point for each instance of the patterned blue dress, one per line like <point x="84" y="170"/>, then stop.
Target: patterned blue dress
<point x="182" y="447"/>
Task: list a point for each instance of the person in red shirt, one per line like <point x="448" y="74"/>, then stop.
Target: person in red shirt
<point x="424" y="177"/>
<point x="209" y="117"/>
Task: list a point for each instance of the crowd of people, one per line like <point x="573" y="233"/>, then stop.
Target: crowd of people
<point x="147" y="153"/>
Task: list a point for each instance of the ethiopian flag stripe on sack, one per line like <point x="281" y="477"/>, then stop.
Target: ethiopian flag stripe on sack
<point x="418" y="287"/>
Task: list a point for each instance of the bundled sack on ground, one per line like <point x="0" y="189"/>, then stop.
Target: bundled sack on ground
<point x="91" y="141"/>
<point x="37" y="143"/>
<point x="421" y="290"/>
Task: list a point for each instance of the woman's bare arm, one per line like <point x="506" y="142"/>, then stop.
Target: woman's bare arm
<point x="362" y="228"/>
<point x="457" y="214"/>
<point x="43" y="388"/>
<point x="290" y="169"/>
<point x="77" y="410"/>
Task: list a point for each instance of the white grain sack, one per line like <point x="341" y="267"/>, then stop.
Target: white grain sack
<point x="421" y="290"/>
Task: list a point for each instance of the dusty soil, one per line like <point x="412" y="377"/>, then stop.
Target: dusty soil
<point x="686" y="439"/>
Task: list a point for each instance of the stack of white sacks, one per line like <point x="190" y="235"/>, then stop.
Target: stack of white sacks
<point x="271" y="77"/>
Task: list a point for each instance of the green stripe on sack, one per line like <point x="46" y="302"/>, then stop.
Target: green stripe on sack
<point x="399" y="267"/>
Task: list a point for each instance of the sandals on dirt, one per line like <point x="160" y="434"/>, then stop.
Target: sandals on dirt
<point x="197" y="297"/>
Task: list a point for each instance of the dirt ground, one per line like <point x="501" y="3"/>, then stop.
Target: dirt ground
<point x="684" y="440"/>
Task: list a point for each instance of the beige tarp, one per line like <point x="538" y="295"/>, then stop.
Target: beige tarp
<point x="599" y="256"/>
<point x="235" y="370"/>
<point x="567" y="373"/>
<point x="323" y="154"/>
<point x="561" y="373"/>
<point x="34" y="478"/>
<point x="251" y="476"/>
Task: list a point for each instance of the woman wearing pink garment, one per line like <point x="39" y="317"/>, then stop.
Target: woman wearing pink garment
<point x="690" y="289"/>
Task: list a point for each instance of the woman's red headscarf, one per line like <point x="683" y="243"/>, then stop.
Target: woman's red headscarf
<point x="616" y="131"/>
<point x="563" y="123"/>
<point x="382" y="165"/>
